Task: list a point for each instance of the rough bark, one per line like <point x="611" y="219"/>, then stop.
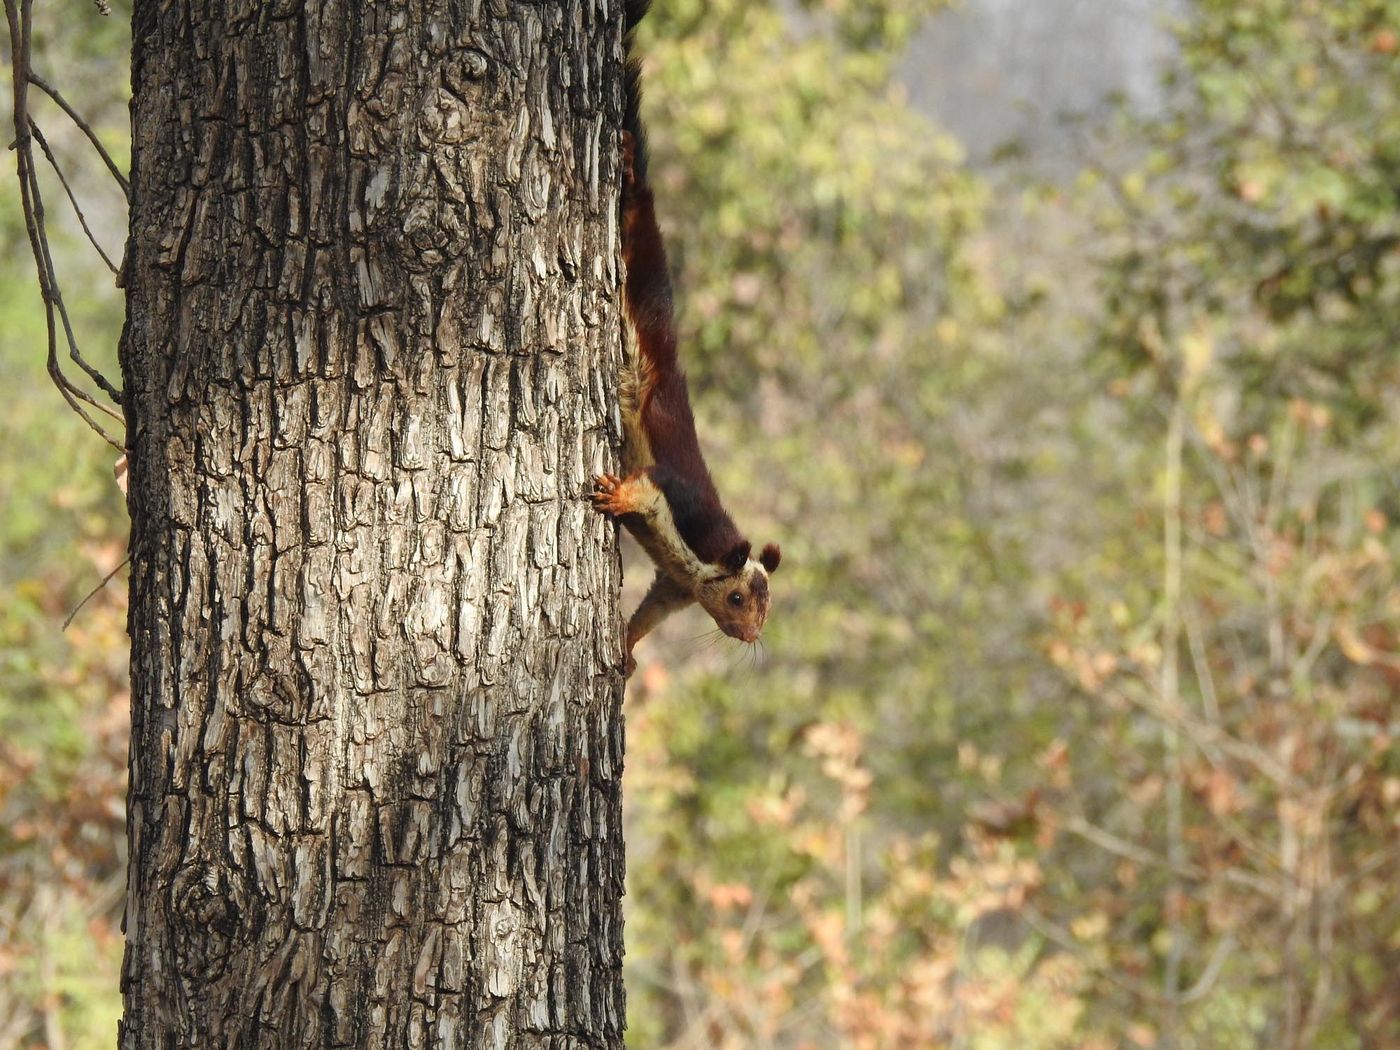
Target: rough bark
<point x="372" y="333"/>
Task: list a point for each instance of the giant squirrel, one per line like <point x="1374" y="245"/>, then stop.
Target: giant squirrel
<point x="666" y="498"/>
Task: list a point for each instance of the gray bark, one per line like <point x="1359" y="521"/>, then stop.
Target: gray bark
<point x="373" y="326"/>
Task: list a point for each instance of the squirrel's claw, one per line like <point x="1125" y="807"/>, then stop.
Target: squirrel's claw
<point x="608" y="497"/>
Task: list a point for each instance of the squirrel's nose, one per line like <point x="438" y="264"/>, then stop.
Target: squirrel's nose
<point x="740" y="631"/>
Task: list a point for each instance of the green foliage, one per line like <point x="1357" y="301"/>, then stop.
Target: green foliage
<point x="981" y="592"/>
<point x="843" y="331"/>
<point x="1250" y="287"/>
<point x="1284" y="160"/>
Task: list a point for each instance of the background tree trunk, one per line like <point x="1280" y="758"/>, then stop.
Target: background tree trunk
<point x="370" y="354"/>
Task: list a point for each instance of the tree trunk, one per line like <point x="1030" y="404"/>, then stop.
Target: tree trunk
<point x="369" y="360"/>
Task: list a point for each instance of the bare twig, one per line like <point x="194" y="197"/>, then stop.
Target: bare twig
<point x="55" y="296"/>
<point x="1200" y="662"/>
<point x="1121" y="847"/>
<point x="77" y="209"/>
<point x="83" y="126"/>
<point x="54" y="1036"/>
<point x="1037" y="921"/>
<point x="19" y="21"/>
<point x="34" y="219"/>
<point x="1207" y="736"/>
<point x="1222" y="951"/>
<point x="94" y="592"/>
<point x="1170" y="693"/>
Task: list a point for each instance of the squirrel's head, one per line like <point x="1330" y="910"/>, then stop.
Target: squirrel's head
<point x="737" y="596"/>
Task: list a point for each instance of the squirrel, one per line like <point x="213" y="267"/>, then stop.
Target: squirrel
<point x="666" y="498"/>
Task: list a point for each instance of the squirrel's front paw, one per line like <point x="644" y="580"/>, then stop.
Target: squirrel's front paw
<point x="609" y="496"/>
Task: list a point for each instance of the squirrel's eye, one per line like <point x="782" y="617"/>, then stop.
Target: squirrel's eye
<point x="736" y="599"/>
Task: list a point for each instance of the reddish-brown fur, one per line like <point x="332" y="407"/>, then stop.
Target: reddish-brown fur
<point x="664" y="400"/>
<point x="668" y="500"/>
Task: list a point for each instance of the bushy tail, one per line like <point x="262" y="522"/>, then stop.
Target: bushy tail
<point x="632" y="90"/>
<point x="647" y="290"/>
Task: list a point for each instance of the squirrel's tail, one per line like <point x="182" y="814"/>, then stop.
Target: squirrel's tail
<point x="632" y="90"/>
<point x="647" y="290"/>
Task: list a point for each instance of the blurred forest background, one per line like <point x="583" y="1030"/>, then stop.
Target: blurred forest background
<point x="1076" y="725"/>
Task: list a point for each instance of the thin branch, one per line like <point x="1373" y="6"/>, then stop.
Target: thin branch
<point x="1364" y="870"/>
<point x="1120" y="847"/>
<point x="55" y="295"/>
<point x="1200" y="662"/>
<point x="18" y="19"/>
<point x="33" y="204"/>
<point x="1222" y="951"/>
<point x="1170" y="693"/>
<point x="95" y="591"/>
<point x="77" y="210"/>
<point x="54" y="1036"/>
<point x="1208" y="736"/>
<point x="83" y="126"/>
<point x="72" y="394"/>
<point x="1064" y="939"/>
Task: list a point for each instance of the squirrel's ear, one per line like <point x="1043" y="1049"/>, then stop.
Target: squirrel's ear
<point x="737" y="556"/>
<point x="770" y="557"/>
